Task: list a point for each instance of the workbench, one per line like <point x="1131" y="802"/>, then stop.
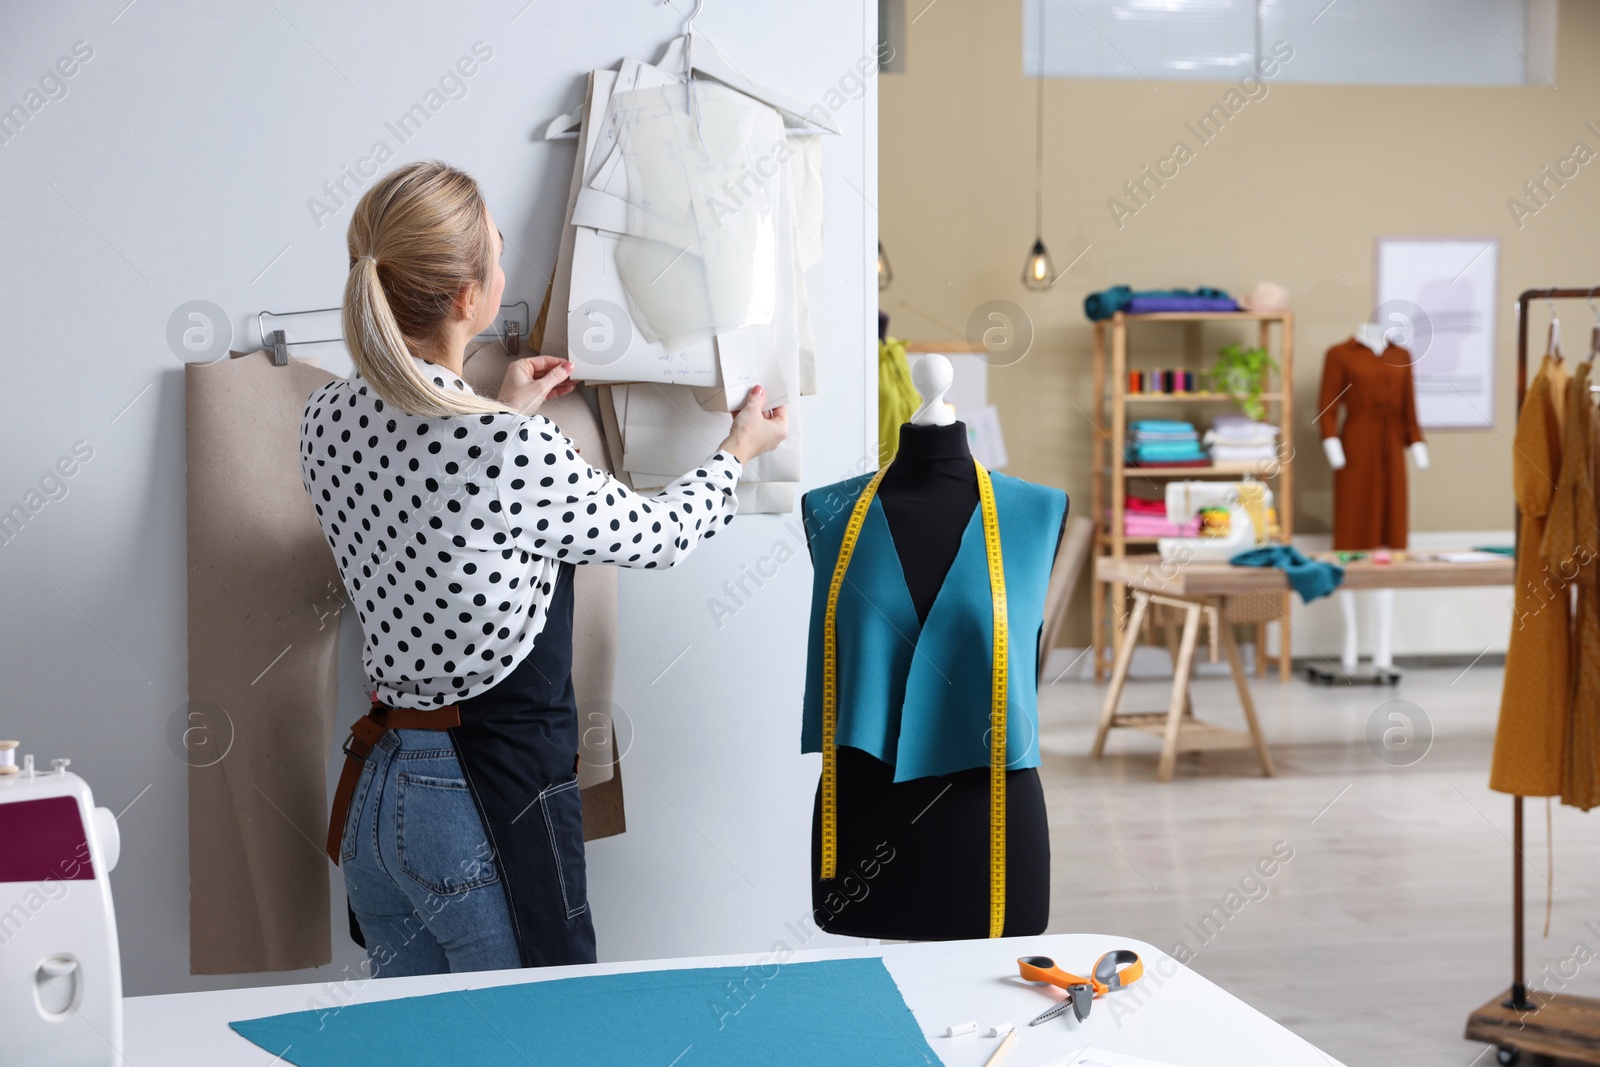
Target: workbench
<point x="1171" y="1015"/>
<point x="1204" y="591"/>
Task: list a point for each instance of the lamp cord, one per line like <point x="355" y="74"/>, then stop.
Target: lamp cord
<point x="1038" y="135"/>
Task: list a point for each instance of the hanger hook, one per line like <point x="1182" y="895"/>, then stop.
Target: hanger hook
<point x="1594" y="310"/>
<point x="688" y="26"/>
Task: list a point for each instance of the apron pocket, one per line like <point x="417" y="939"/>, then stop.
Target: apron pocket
<point x="441" y="844"/>
<point x="562" y="807"/>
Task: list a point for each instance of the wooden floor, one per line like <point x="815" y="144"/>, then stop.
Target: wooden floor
<point x="1391" y="921"/>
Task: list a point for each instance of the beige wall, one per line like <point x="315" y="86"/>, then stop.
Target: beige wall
<point x="1343" y="165"/>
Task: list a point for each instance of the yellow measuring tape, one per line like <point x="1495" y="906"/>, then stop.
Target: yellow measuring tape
<point x="997" y="711"/>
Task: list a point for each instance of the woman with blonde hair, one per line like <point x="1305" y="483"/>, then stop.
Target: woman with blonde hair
<point x="456" y="520"/>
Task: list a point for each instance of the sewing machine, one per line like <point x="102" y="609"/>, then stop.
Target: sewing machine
<point x="60" y="971"/>
<point x="1233" y="519"/>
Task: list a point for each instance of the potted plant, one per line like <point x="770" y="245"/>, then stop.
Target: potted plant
<point x="1242" y="373"/>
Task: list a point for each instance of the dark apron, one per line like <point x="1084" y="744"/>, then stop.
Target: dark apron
<point x="518" y="746"/>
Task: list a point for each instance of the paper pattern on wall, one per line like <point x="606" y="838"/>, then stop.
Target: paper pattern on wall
<point x="681" y="270"/>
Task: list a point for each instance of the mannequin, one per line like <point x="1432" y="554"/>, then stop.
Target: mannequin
<point x="913" y="855"/>
<point x="1373" y="337"/>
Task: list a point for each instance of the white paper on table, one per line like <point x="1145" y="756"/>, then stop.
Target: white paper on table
<point x="987" y="444"/>
<point x="665" y="432"/>
<point x="1096" y="1057"/>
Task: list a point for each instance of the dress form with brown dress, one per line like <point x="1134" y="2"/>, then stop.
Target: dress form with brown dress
<point x="1380" y="422"/>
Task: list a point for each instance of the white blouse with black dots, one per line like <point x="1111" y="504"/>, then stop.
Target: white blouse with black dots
<point x="450" y="531"/>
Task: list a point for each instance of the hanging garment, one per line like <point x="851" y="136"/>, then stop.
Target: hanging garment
<point x="898" y="399"/>
<point x="1380" y="403"/>
<point x="1530" y="741"/>
<point x="916" y="695"/>
<point x="1571" y="543"/>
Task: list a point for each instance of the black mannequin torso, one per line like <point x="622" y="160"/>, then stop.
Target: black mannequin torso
<point x="929" y="493"/>
<point x="914" y="856"/>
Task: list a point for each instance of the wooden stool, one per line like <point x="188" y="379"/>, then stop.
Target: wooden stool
<point x="1177" y="727"/>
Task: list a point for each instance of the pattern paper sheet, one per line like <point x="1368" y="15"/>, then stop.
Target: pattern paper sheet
<point x="835" y="1012"/>
<point x="694" y="212"/>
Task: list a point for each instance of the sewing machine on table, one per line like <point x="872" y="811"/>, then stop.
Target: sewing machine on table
<point x="1234" y="517"/>
<point x="60" y="971"/>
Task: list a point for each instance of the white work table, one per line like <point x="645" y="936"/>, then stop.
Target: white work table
<point x="1171" y="1014"/>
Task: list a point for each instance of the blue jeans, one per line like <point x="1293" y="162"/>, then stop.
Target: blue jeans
<point x="417" y="864"/>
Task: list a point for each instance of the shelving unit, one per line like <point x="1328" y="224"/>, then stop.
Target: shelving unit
<point x="1113" y="474"/>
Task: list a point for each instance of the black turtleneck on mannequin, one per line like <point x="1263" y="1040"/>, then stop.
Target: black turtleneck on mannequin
<point x="914" y="856"/>
<point x="929" y="493"/>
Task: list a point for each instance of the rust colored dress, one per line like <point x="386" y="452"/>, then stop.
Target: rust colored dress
<point x="1571" y="543"/>
<point x="1380" y="405"/>
<point x="1530" y="742"/>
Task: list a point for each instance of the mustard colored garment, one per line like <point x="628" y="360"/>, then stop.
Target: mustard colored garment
<point x="1571" y="545"/>
<point x="898" y="399"/>
<point x="1530" y="742"/>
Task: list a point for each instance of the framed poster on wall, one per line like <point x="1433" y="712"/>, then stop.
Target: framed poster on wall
<point x="1436" y="296"/>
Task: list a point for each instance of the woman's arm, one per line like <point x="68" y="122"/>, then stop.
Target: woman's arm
<point x="554" y="504"/>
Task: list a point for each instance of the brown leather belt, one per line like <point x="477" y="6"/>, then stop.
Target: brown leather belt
<point x="365" y="733"/>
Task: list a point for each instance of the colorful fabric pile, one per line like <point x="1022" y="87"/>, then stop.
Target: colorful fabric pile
<point x="1148" y="518"/>
<point x="1164" y="443"/>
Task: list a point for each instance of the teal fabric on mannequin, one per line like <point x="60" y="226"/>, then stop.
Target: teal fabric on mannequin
<point x="918" y="696"/>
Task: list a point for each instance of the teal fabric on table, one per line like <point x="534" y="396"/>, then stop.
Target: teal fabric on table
<point x="1309" y="577"/>
<point x="917" y="696"/>
<point x="778" y="1015"/>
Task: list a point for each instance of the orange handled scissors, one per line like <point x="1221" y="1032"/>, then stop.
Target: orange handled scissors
<point x="1114" y="970"/>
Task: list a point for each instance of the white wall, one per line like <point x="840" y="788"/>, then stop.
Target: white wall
<point x="177" y="166"/>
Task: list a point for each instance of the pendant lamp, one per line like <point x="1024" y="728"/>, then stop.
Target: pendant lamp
<point x="1039" y="272"/>
<point x="885" y="275"/>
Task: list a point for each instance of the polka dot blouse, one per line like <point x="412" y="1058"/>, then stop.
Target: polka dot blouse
<point x="449" y="532"/>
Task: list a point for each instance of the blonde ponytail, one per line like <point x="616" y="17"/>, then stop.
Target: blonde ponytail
<point x="417" y="237"/>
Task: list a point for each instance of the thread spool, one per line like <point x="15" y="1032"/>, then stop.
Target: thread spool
<point x="998" y="1030"/>
<point x="8" y="757"/>
<point x="960" y="1028"/>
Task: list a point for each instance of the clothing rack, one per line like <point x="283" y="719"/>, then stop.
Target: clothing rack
<point x="511" y="330"/>
<point x="1557" y="1024"/>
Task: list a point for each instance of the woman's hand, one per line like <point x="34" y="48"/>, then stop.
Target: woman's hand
<point x="754" y="431"/>
<point x="531" y="381"/>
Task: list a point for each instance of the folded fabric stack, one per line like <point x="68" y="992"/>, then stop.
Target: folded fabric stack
<point x="1104" y="304"/>
<point x="1164" y="443"/>
<point x="1148" y="518"/>
<point x="1236" y="439"/>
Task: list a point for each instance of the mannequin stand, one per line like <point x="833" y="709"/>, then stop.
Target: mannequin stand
<point x="1382" y="671"/>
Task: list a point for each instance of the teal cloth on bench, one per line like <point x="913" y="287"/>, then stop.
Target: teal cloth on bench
<point x="778" y="1015"/>
<point x="1308" y="577"/>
